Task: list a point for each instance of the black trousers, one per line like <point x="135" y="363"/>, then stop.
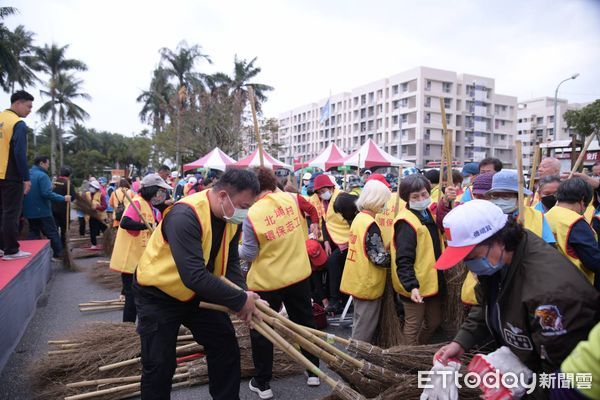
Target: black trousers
<point x="81" y="226"/>
<point x="96" y="227"/>
<point x="335" y="270"/>
<point x="158" y="327"/>
<point x="60" y="219"/>
<point x="11" y="205"/>
<point x="296" y="299"/>
<point x="317" y="285"/>
<point x="129" y="311"/>
<point x="46" y="226"/>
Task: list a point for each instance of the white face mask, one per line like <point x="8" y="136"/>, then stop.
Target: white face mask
<point x="238" y="216"/>
<point x="325" y="195"/>
<point x="420" y="205"/>
<point x="466" y="181"/>
<point x="506" y="205"/>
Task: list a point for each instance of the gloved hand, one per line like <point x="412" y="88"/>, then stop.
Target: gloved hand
<point x="443" y="386"/>
<point x="504" y="361"/>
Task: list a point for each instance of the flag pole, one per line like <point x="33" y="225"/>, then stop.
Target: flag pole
<point x="255" y="121"/>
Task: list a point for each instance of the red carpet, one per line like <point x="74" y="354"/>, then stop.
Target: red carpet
<point x="10" y="269"/>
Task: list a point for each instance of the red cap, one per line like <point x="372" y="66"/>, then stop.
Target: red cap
<point x="380" y="178"/>
<point x="316" y="254"/>
<point x="322" y="181"/>
<point x="452" y="256"/>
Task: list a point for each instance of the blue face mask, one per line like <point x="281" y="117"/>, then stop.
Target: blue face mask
<point x="482" y="266"/>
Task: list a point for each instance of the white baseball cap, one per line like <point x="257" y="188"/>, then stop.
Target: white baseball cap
<point x="95" y="184"/>
<point x="154" y="180"/>
<point x="306" y="176"/>
<point x="466" y="226"/>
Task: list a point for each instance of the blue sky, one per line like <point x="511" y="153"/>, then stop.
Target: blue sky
<point x="309" y="48"/>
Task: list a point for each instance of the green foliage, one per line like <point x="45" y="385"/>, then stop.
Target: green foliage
<point x="586" y="121"/>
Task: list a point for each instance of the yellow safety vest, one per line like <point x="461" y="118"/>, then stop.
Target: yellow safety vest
<point x="534" y="221"/>
<point x="96" y="200"/>
<point x="282" y="258"/>
<point x="129" y="248"/>
<point x="361" y="278"/>
<point x="337" y="226"/>
<point x="561" y="220"/>
<point x="157" y="266"/>
<point x="8" y="120"/>
<point x="385" y="219"/>
<point x="425" y="271"/>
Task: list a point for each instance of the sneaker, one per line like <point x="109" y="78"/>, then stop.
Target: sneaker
<point x="313" y="381"/>
<point x="264" y="391"/>
<point x="18" y="255"/>
<point x="92" y="247"/>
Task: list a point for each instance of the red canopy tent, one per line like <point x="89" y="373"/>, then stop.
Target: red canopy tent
<point x="253" y="160"/>
<point x="370" y="155"/>
<point x="331" y="157"/>
<point x="216" y="159"/>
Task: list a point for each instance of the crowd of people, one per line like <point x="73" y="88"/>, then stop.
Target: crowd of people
<point x="533" y="276"/>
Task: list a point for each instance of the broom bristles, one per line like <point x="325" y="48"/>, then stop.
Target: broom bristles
<point x="389" y="327"/>
<point x="108" y="241"/>
<point x="105" y="277"/>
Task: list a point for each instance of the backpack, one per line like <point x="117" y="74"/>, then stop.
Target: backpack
<point x="120" y="209"/>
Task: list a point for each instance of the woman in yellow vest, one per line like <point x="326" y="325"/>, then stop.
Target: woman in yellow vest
<point x="416" y="246"/>
<point x="98" y="201"/>
<point x="119" y="201"/>
<point x="575" y="238"/>
<point x="365" y="270"/>
<point x="133" y="235"/>
<point x="274" y="241"/>
<point x="335" y="230"/>
<point x="193" y="246"/>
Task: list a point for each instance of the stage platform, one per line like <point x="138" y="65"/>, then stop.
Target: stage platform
<point x="21" y="284"/>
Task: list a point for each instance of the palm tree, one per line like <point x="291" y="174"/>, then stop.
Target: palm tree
<point x="180" y="65"/>
<point x="68" y="89"/>
<point x="26" y="62"/>
<point x="8" y="61"/>
<point x="155" y="100"/>
<point x="53" y="61"/>
<point x="243" y="73"/>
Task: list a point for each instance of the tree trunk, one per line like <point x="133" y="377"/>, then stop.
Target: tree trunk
<point x="60" y="141"/>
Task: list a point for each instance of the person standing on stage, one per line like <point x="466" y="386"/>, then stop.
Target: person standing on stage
<point x="194" y="245"/>
<point x="14" y="173"/>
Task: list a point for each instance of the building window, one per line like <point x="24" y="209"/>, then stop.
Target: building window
<point x="404" y="117"/>
<point x="394" y="120"/>
<point x="427" y="149"/>
<point x="427" y="118"/>
<point x="427" y="134"/>
<point x="447" y="102"/>
<point x="394" y="90"/>
<point x="395" y="104"/>
<point x="428" y="85"/>
<point x="540" y="120"/>
<point x="446" y="86"/>
<point x="427" y="101"/>
<point x="405" y="87"/>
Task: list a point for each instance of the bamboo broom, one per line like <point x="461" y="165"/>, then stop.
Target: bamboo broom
<point x="520" y="199"/>
<point x="588" y="141"/>
<point x="137" y="210"/>
<point x="255" y="122"/>
<point x="67" y="256"/>
<point x="534" y="167"/>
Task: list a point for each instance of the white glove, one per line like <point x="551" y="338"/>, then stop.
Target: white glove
<point x="506" y="361"/>
<point x="443" y="386"/>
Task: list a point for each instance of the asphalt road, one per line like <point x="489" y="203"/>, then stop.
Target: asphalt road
<point x="57" y="314"/>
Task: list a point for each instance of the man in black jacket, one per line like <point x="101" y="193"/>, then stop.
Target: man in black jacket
<point x="531" y="298"/>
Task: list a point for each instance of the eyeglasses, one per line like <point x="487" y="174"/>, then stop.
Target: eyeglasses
<point x="503" y="196"/>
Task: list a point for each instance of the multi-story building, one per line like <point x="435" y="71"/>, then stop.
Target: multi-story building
<point x="402" y="114"/>
<point x="535" y="123"/>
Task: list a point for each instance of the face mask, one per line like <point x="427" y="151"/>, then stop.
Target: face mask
<point x="548" y="201"/>
<point x="92" y="190"/>
<point x="506" y="205"/>
<point x="238" y="216"/>
<point x="482" y="266"/>
<point x="325" y="195"/>
<point x="466" y="181"/>
<point x="158" y="198"/>
<point x="420" y="205"/>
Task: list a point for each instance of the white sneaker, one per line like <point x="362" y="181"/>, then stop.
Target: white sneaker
<point x="313" y="381"/>
<point x="20" y="254"/>
<point x="263" y="391"/>
<point x="92" y="247"/>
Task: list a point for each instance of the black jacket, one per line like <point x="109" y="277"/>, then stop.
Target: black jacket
<point x="544" y="307"/>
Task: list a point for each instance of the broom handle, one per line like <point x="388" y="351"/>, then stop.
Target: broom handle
<point x="68" y="216"/>
<point x="137" y="210"/>
<point x="588" y="141"/>
<point x="398" y="191"/>
<point x="520" y="199"/>
<point x="101" y="308"/>
<point x="534" y="166"/>
<point x="255" y="122"/>
<point x="300" y="329"/>
<point x="138" y="359"/>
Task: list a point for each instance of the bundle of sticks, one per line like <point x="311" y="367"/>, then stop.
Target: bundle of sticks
<point x="102" y="305"/>
<point x="102" y="361"/>
<point x="374" y="372"/>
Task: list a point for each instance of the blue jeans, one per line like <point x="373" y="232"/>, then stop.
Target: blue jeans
<point x="45" y="225"/>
